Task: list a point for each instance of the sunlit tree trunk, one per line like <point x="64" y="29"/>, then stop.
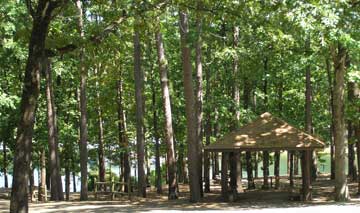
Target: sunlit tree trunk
<point x="199" y="98"/>
<point x="169" y="133"/>
<point x="341" y="187"/>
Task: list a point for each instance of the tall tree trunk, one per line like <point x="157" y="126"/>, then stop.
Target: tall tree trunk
<point x="30" y="93"/>
<point x="352" y="171"/>
<point x="83" y="110"/>
<point x="193" y="145"/>
<point x="101" y="130"/>
<point x="5" y="165"/>
<point x="357" y="133"/>
<point x="140" y="138"/>
<point x="199" y="97"/>
<point x="67" y="182"/>
<point x="42" y="191"/>
<point x="169" y="133"/>
<point x="266" y="153"/>
<point x="207" y="132"/>
<point x="54" y="161"/>
<point x="123" y="139"/>
<point x="157" y="142"/>
<point x="236" y="94"/>
<point x="331" y="109"/>
<point x="216" y="154"/>
<point x="341" y="188"/>
<point x="249" y="163"/>
<point x="74" y="181"/>
<point x="277" y="153"/>
<point x="308" y="111"/>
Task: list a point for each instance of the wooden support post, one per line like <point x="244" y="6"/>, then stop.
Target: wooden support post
<point x="207" y="171"/>
<point x="232" y="164"/>
<point x="238" y="172"/>
<point x="224" y="175"/>
<point x="306" y="186"/>
<point x="291" y="170"/>
<point x="266" y="170"/>
<point x="95" y="188"/>
<point x="277" y="169"/>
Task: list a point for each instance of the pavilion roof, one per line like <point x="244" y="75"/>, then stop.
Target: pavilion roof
<point x="267" y="132"/>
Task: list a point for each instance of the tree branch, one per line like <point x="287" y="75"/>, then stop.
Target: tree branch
<point x="30" y="8"/>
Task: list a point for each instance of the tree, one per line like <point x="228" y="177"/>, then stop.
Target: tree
<point x="42" y="16"/>
<point x="140" y="140"/>
<point x="54" y="161"/>
<point x="101" y="131"/>
<point x="338" y="53"/>
<point x="169" y="134"/>
<point x="192" y="142"/>
<point x="83" y="109"/>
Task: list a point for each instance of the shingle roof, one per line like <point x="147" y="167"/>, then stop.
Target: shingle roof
<point x="266" y="133"/>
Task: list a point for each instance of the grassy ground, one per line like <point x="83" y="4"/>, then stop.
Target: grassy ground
<point x="251" y="201"/>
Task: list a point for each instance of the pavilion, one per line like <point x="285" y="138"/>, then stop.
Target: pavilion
<point x="266" y="133"/>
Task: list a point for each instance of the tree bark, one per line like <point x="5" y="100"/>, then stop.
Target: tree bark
<point x="139" y="99"/>
<point x="54" y="161"/>
<point x="83" y="110"/>
<point x="193" y="145"/>
<point x="169" y="133"/>
<point x="30" y="93"/>
<point x="341" y="188"/>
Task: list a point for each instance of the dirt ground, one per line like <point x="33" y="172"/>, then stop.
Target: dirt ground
<point x="250" y="201"/>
